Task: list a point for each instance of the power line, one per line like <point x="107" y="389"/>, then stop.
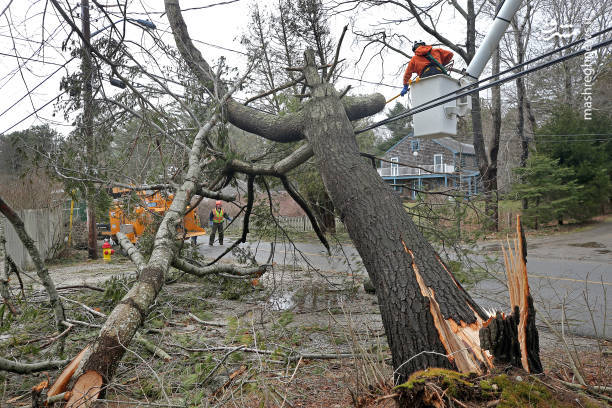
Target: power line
<point x="367" y="82"/>
<point x="578" y="140"/>
<point x="33" y="89"/>
<point x="31" y="59"/>
<point x="572" y="134"/>
<point x="33" y="113"/>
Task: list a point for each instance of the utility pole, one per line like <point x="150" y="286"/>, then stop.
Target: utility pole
<point x="87" y="129"/>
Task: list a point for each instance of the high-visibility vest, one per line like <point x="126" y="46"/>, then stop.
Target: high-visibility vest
<point x="217" y="215"/>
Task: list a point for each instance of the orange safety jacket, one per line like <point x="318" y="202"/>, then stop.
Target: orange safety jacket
<point x="418" y="63"/>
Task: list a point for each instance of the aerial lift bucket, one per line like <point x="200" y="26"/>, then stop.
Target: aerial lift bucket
<point x="440" y="121"/>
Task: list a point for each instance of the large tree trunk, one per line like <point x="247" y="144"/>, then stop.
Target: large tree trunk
<point x="487" y="164"/>
<point x="520" y="122"/>
<point x="88" y="131"/>
<point x="419" y="298"/>
<point x="491" y="204"/>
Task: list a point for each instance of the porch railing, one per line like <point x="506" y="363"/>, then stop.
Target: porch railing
<point x="412" y="171"/>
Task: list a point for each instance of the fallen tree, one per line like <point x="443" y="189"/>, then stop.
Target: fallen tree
<point x="429" y="319"/>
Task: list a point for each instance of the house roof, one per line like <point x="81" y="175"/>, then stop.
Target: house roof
<point x="455" y="146"/>
<point x="409" y="135"/>
<point x="446" y="142"/>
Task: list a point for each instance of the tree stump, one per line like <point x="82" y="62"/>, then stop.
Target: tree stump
<point x="513" y="339"/>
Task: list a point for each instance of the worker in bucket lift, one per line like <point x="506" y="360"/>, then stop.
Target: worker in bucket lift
<point x="427" y="61"/>
<point x="217" y="216"/>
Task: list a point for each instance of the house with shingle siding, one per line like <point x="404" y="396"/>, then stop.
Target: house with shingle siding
<point x="414" y="164"/>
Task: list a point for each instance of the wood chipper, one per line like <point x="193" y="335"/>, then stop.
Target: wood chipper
<point x="132" y="220"/>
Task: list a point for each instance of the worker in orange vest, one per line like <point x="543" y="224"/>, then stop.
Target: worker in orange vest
<point x="427" y="61"/>
<point x="217" y="216"/>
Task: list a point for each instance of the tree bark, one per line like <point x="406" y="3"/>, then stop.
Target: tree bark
<point x="419" y="298"/>
<point x="90" y="144"/>
<point x="492" y="203"/>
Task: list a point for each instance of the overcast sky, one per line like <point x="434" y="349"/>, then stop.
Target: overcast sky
<point x="216" y="30"/>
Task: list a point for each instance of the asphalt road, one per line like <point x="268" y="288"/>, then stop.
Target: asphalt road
<point x="570" y="275"/>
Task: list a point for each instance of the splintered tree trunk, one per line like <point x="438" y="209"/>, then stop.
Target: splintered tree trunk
<point x="513" y="339"/>
<point x="422" y="305"/>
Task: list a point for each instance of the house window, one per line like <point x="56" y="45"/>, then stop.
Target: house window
<point x="438" y="163"/>
<point x="415" y="145"/>
<point x="394" y="166"/>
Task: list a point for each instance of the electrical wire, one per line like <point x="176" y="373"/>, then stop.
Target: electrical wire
<point x="33" y="89"/>
<point x="451" y="96"/>
<point x="33" y="113"/>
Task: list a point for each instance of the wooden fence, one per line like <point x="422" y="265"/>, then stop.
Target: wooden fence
<point x="47" y="227"/>
<point x="295" y="224"/>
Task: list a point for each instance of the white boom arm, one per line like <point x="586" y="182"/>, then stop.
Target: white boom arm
<point x="491" y="40"/>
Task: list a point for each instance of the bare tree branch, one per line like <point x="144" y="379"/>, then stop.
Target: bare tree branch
<point x="229" y="269"/>
<point x="333" y="67"/>
<point x="28" y="368"/>
<point x="302" y="203"/>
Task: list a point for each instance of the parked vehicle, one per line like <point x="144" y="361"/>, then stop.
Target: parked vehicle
<point x="132" y="220"/>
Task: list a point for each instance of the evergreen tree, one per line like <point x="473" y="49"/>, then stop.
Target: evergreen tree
<point x="399" y="129"/>
<point x="584" y="146"/>
<point x="550" y="190"/>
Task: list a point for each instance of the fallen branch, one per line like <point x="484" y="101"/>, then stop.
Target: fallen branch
<point x="215" y="195"/>
<point x="64" y="396"/>
<point x="28" y="368"/>
<point x="228" y="269"/>
<point x="304" y="206"/>
<point x="152" y="348"/>
<point x="84" y="286"/>
<point x="197" y="319"/>
<point x="80" y="323"/>
<point x="595" y="390"/>
<point x="292" y="357"/>
<point x="131" y="250"/>
<point x="214" y="370"/>
<point x="13" y="266"/>
<point x="89" y="309"/>
<point x="56" y="338"/>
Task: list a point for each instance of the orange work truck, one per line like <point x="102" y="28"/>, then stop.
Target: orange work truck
<point x="133" y="221"/>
